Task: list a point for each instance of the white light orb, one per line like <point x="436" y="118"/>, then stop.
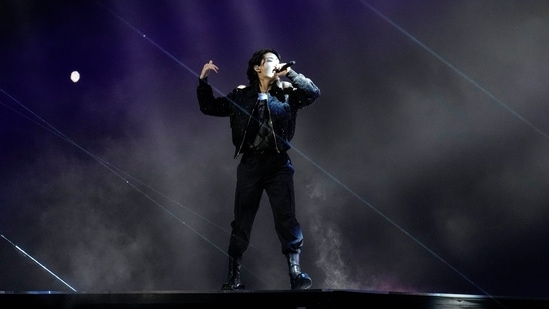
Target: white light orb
<point x="75" y="76"/>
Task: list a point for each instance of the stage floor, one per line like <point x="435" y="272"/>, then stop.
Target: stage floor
<point x="324" y="299"/>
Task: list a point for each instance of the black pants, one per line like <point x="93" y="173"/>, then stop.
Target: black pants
<point x="272" y="173"/>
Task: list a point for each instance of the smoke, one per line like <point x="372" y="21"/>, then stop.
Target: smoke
<point x="395" y="126"/>
<point x="331" y="257"/>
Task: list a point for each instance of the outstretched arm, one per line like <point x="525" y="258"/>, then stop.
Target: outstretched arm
<point x="209" y="104"/>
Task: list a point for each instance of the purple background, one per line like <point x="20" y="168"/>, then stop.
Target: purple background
<point x="423" y="167"/>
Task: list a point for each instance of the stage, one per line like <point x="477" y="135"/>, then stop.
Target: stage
<point x="325" y="299"/>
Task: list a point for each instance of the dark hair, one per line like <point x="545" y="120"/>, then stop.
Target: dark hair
<point x="256" y="59"/>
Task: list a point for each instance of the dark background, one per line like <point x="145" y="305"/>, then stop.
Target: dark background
<point x="423" y="167"/>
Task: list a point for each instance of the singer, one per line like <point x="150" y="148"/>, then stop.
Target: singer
<point x="262" y="118"/>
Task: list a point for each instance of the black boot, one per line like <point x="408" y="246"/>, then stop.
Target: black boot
<point x="233" y="282"/>
<point x="298" y="279"/>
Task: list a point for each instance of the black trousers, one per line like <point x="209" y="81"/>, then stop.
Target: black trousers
<point x="272" y="173"/>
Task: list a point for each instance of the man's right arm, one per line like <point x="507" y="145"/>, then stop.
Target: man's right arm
<point x="209" y="104"/>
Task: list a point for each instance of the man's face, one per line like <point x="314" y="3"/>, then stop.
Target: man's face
<point x="268" y="65"/>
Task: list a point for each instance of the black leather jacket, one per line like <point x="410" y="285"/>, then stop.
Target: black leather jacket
<point x="284" y="100"/>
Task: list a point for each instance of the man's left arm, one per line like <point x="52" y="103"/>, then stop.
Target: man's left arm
<point x="305" y="91"/>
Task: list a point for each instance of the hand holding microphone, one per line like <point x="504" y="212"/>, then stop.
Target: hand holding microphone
<point x="284" y="67"/>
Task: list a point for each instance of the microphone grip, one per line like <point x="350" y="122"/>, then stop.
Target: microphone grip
<point x="287" y="65"/>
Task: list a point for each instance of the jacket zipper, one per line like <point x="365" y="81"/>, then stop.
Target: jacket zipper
<point x="246" y="130"/>
<point x="272" y="127"/>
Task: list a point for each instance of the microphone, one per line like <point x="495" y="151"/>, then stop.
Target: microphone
<point x="284" y="67"/>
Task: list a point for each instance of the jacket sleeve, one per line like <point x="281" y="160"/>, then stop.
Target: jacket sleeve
<point x="209" y="104"/>
<point x="305" y="92"/>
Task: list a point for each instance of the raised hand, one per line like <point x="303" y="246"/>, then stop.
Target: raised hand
<point x="208" y="67"/>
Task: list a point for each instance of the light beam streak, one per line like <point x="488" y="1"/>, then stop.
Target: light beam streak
<point x="456" y="70"/>
<point x="38" y="263"/>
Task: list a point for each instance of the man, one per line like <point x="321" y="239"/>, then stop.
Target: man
<point x="262" y="117"/>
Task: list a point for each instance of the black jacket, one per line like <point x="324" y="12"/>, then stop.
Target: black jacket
<point x="284" y="100"/>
